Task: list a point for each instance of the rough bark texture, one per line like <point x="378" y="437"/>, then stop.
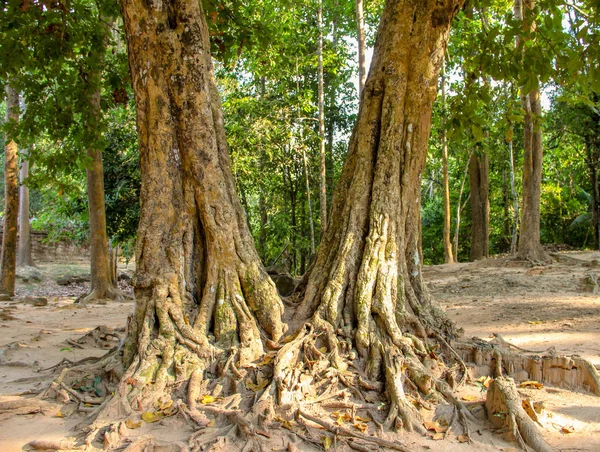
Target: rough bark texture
<point x="448" y="253"/>
<point x="530" y="247"/>
<point x="102" y="287"/>
<point x="366" y="283"/>
<point x="24" y="256"/>
<point x="200" y="287"/>
<point x="11" y="201"/>
<point x="479" y="170"/>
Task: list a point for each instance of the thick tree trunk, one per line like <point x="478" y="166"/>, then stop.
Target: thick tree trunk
<point x="530" y="247"/>
<point x="11" y="201"/>
<point x="200" y="287"/>
<point x="322" y="156"/>
<point x="448" y="253"/>
<point x="24" y="257"/>
<point x="480" y="207"/>
<point x="360" y="28"/>
<point x="366" y="282"/>
<point x="102" y="286"/>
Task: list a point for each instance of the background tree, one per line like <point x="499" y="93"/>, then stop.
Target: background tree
<point x="11" y="198"/>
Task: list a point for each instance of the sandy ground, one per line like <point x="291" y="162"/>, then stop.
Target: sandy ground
<point x="531" y="307"/>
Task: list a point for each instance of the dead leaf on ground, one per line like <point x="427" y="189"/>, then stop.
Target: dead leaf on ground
<point x="435" y="426"/>
<point x="130" y="424"/>
<point x="255" y="387"/>
<point x="438" y="436"/>
<point x="567" y="430"/>
<point x="470" y="398"/>
<point x="361" y="426"/>
<point x="207" y="399"/>
<point x="463" y="438"/>
<point x="531" y="384"/>
<point x="152" y="416"/>
<point x="327" y="442"/>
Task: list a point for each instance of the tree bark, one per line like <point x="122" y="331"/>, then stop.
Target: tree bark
<point x="200" y="287"/>
<point x="480" y="207"/>
<point x="448" y="253"/>
<point x="366" y="282"/>
<point x="24" y="257"/>
<point x="323" y="157"/>
<point x="530" y="247"/>
<point x="513" y="190"/>
<point x="11" y="200"/>
<point x="360" y="28"/>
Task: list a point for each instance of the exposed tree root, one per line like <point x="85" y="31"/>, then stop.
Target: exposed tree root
<point x="505" y="410"/>
<point x="338" y="430"/>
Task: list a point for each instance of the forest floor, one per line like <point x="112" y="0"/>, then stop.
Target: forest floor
<point x="530" y="307"/>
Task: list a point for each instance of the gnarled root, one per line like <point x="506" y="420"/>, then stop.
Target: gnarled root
<point x="504" y="409"/>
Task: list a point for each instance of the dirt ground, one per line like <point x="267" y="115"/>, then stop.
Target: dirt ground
<point x="530" y="307"/>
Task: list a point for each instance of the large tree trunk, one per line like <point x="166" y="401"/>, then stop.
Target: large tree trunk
<point x="24" y="256"/>
<point x="366" y="282"/>
<point x="530" y="247"/>
<point x="200" y="287"/>
<point x="448" y="253"/>
<point x="11" y="201"/>
<point x="480" y="207"/>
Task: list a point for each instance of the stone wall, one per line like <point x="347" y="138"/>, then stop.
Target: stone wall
<point x="62" y="251"/>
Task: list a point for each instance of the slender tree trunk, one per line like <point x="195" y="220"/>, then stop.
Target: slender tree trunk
<point x="530" y="247"/>
<point x="103" y="286"/>
<point x="360" y="27"/>
<point x="448" y="253"/>
<point x="11" y="200"/>
<point x="201" y="291"/>
<point x="322" y="155"/>
<point x="308" y="201"/>
<point x="515" y="197"/>
<point x="480" y="207"/>
<point x="459" y="205"/>
<point x="366" y="282"/>
<point x="24" y="256"/>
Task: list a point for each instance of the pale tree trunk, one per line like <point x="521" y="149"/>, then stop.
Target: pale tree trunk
<point x="11" y="201"/>
<point x="360" y="28"/>
<point x="308" y="200"/>
<point x="323" y="164"/>
<point x="480" y="206"/>
<point x="460" y="206"/>
<point x="448" y="253"/>
<point x="24" y="256"/>
<point x="515" y="197"/>
<point x="201" y="291"/>
<point x="366" y="283"/>
<point x="530" y="247"/>
<point x="102" y="284"/>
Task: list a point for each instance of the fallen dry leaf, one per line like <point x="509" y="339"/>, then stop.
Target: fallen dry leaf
<point x="463" y="438"/>
<point x="207" y="399"/>
<point x="470" y="398"/>
<point x="361" y="426"/>
<point x="130" y="424"/>
<point x="531" y="384"/>
<point x="326" y="442"/>
<point x="567" y="430"/>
